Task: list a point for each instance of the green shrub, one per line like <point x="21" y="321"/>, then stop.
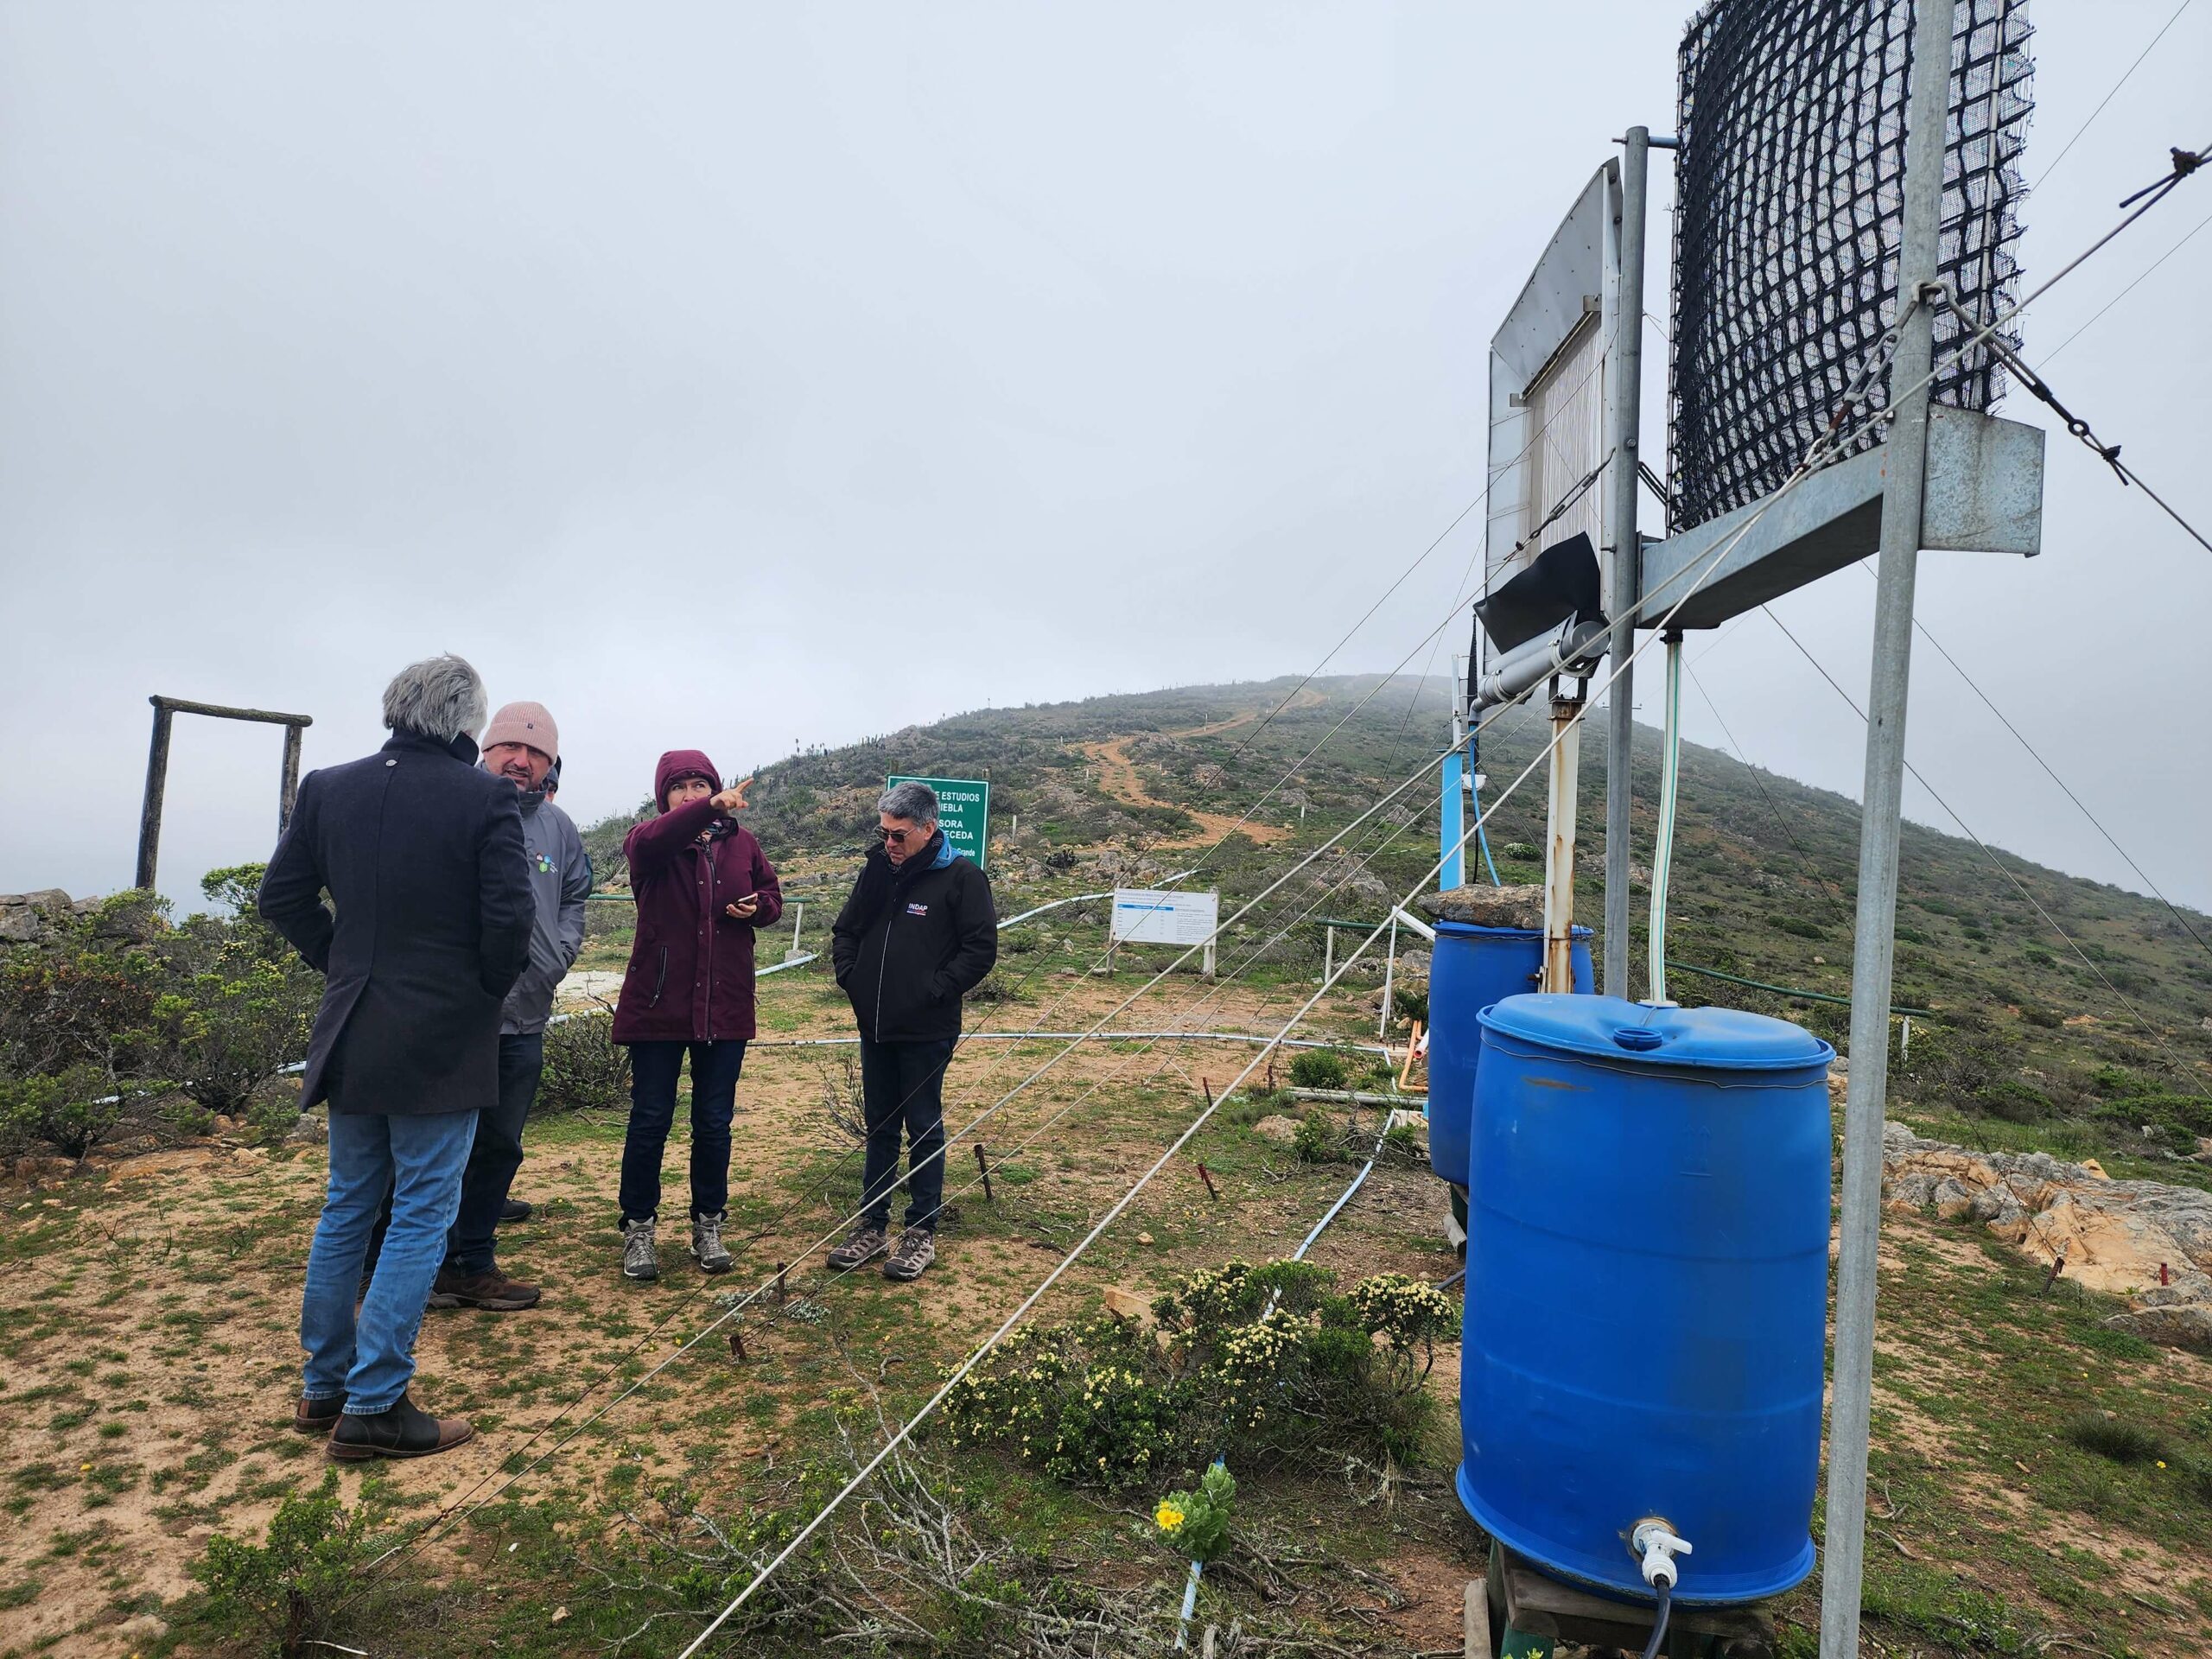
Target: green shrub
<point x="1265" y="1360"/>
<point x="1798" y="927"/>
<point x="1197" y="1522"/>
<point x="585" y="1070"/>
<point x="293" y="1591"/>
<point x="234" y="1015"/>
<point x="1410" y="1002"/>
<point x="1316" y="1140"/>
<point x="82" y="1002"/>
<point x="1318" y="1068"/>
<point x="2013" y="1101"/>
<point x="72" y="1111"/>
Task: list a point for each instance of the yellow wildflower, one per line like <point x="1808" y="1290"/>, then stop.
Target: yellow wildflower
<point x="1167" y="1516"/>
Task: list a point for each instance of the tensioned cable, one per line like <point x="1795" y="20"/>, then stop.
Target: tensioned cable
<point x="2092" y="120"/>
<point x="2182" y="1067"/>
<point x="2064" y="788"/>
<point x="1803" y="470"/>
<point x="1812" y="459"/>
<point x="2125" y="292"/>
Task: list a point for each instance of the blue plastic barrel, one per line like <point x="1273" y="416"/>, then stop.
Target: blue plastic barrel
<point x="1470" y="968"/>
<point x="1647" y="1290"/>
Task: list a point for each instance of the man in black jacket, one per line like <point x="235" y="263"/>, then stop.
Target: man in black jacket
<point x="422" y="854"/>
<point x="919" y="933"/>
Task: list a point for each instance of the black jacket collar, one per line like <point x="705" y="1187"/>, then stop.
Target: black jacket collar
<point x="461" y="748"/>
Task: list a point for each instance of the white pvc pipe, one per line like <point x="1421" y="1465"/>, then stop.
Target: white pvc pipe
<point x="1663" y="850"/>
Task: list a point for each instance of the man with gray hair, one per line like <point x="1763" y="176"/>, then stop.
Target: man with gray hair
<point x="919" y="933"/>
<point x="423" y="855"/>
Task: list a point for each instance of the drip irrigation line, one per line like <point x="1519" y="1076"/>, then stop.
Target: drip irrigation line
<point x="2067" y="149"/>
<point x="2181" y="1069"/>
<point x="2064" y="788"/>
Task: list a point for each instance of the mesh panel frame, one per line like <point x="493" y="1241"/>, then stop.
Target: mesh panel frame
<point x="1789" y="219"/>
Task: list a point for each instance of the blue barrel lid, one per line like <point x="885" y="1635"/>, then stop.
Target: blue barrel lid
<point x="1476" y="930"/>
<point x="1606" y="1027"/>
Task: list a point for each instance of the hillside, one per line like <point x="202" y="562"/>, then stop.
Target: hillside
<point x="2036" y="1044"/>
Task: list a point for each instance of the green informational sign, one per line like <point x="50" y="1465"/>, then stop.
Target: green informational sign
<point x="963" y="812"/>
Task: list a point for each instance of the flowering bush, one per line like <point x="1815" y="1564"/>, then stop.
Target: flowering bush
<point x="1240" y="1360"/>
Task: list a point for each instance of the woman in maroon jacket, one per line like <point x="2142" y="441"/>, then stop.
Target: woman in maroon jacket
<point x="702" y="887"/>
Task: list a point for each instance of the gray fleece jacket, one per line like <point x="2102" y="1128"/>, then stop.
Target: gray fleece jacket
<point x="560" y="877"/>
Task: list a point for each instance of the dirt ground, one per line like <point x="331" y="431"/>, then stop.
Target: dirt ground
<point x="149" y="1306"/>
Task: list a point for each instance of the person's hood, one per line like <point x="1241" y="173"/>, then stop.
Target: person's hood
<point x="681" y="763"/>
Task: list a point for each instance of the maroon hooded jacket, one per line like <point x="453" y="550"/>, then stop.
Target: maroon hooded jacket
<point x="690" y="974"/>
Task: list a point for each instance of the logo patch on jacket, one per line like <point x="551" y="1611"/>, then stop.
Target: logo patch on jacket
<point x="918" y="910"/>
<point x="545" y="864"/>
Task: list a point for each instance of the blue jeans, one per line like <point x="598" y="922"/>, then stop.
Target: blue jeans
<point x="492" y="1160"/>
<point x="653" y="1070"/>
<point x="904" y="1085"/>
<point x="419" y="1161"/>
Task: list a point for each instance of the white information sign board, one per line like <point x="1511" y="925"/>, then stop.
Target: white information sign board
<point x="1153" y="916"/>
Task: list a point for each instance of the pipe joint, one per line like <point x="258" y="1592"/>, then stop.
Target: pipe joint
<point x="1654" y="1541"/>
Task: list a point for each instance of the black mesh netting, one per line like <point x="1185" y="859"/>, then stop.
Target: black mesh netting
<point x="1789" y="210"/>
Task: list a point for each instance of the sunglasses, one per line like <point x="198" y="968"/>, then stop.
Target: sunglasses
<point x="896" y="837"/>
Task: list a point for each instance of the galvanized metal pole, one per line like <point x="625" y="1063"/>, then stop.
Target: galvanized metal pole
<point x="150" y="809"/>
<point x="1872" y="955"/>
<point x="1624" y="380"/>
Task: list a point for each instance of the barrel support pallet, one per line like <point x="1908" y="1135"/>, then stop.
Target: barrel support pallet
<point x="1518" y="1614"/>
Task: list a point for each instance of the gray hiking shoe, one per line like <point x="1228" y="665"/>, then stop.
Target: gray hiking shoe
<point x="640" y="1260"/>
<point x="916" y="1250"/>
<point x="864" y="1244"/>
<point x="707" y="1246"/>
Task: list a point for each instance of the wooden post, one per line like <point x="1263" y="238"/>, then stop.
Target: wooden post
<point x="288" y="788"/>
<point x="149" y="810"/>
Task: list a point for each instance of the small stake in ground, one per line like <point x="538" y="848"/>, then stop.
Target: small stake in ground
<point x="982" y="1165"/>
<point x="737" y="1345"/>
<point x="1206" y="1175"/>
<point x="2057" y="1267"/>
<point x="781" y="1290"/>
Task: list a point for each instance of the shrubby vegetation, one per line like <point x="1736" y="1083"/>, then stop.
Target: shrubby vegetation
<point x="128" y="1020"/>
<point x="1268" y="1363"/>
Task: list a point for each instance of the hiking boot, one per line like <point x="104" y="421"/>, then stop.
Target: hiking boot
<point x="491" y="1290"/>
<point x="707" y="1246"/>
<point x="864" y="1244"/>
<point x="404" y="1431"/>
<point x="514" y="1210"/>
<point x="639" y="1260"/>
<point x="313" y="1416"/>
<point x="916" y="1250"/>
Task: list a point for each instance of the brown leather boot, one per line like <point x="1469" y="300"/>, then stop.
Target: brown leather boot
<point x="404" y="1431"/>
<point x="313" y="1416"/>
<point x="491" y="1290"/>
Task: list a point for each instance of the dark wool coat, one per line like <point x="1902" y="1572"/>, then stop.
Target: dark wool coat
<point x="913" y="940"/>
<point x="422" y="854"/>
<point x="690" y="973"/>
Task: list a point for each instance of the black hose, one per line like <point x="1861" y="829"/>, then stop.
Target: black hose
<point x="1659" y="1624"/>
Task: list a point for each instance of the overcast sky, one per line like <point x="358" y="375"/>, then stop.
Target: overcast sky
<point x="740" y="376"/>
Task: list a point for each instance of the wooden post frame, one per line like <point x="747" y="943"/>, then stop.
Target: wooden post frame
<point x="157" y="770"/>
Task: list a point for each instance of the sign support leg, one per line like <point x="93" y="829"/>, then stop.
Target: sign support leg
<point x="1559" y="860"/>
<point x="1872" y="957"/>
<point x="1624" y="381"/>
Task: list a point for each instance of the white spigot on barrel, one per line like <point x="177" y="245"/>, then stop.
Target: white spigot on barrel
<point x="1655" y="1543"/>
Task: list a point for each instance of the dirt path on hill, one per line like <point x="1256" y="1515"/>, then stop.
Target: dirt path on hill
<point x="1118" y="777"/>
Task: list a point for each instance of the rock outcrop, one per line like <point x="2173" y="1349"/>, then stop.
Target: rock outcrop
<point x="2146" y="1241"/>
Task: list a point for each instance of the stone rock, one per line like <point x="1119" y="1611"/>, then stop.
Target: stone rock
<point x="38" y="1171"/>
<point x="2187" y="1324"/>
<point x="2117" y="1236"/>
<point x="1278" y="1128"/>
<point x="20" y="925"/>
<point x="163" y="1163"/>
<point x="313" y="1128"/>
<point x="1125" y="1303"/>
<point x="1144" y="1238"/>
<point x="142" y="1627"/>
<point x="1515" y="906"/>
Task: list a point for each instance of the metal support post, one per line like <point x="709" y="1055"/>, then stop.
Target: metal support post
<point x="799" y="920"/>
<point x="149" y="810"/>
<point x="1558" y="850"/>
<point x="1329" y="954"/>
<point x="1872" y="955"/>
<point x="1623" y="385"/>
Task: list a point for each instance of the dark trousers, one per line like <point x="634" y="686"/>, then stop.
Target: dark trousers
<point x="493" y="1160"/>
<point x="903" y="1084"/>
<point x="654" y="1070"/>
